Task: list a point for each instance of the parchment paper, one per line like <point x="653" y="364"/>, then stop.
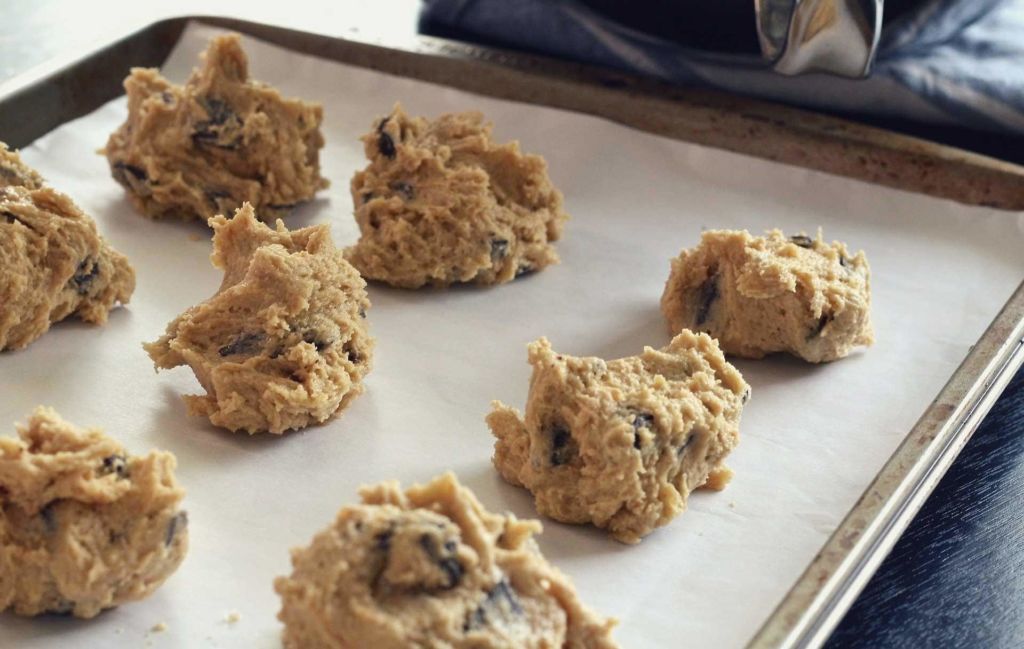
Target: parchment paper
<point x="812" y="437"/>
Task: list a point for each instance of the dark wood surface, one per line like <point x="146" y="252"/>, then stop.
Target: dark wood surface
<point x="955" y="579"/>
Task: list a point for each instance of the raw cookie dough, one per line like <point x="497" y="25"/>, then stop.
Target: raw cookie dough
<point x="431" y="568"/>
<point x="283" y="343"/>
<point x="15" y="173"/>
<point x="53" y="263"/>
<point x="621" y="444"/>
<point x="759" y="295"/>
<point x="440" y="203"/>
<point x="202" y="149"/>
<point x="83" y="525"/>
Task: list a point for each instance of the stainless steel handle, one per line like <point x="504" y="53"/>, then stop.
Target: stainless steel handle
<point x="835" y="36"/>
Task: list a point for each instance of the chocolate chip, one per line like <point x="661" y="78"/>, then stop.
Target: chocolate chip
<point x="746" y="395"/>
<point x="382" y="541"/>
<point x="403" y="188"/>
<point x="706" y="299"/>
<point x="215" y="195"/>
<point x="136" y="172"/>
<point x="87" y="271"/>
<point x="167" y="97"/>
<point x="217" y="109"/>
<point x="10" y="217"/>
<point x="223" y="122"/>
<point x="561" y="451"/>
<point x="246" y="343"/>
<point x="823" y="321"/>
<point x="177" y="523"/>
<point x="499" y="604"/>
<point x="802" y="240"/>
<point x="689" y="440"/>
<point x="354" y="356"/>
<point x="641" y="420"/>
<point x="319" y="343"/>
<point x="499" y="248"/>
<point x="445" y="560"/>
<point x="49" y="517"/>
<point x="115" y="464"/>
<point x="362" y="312"/>
<point x="843" y="262"/>
<point x="386" y="145"/>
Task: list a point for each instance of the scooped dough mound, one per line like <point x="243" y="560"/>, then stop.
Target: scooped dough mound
<point x="760" y="295"/>
<point x="283" y="344"/>
<point x="621" y="444"/>
<point x="441" y="203"/>
<point x="222" y="139"/>
<point x="53" y="262"/>
<point x="431" y="567"/>
<point x="84" y="526"/>
<point x="15" y="173"/>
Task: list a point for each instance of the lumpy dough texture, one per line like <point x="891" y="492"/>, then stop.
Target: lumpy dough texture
<point x="759" y="295"/>
<point x="220" y="140"/>
<point x="53" y="262"/>
<point x="621" y="444"/>
<point x="283" y="343"/>
<point x="431" y="567"/>
<point x="84" y="526"/>
<point x="15" y="173"/>
<point x="440" y="203"/>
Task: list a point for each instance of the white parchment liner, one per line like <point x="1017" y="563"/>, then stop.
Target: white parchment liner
<point x="812" y="436"/>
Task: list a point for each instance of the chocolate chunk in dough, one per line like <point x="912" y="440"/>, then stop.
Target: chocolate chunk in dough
<point x="635" y="435"/>
<point x="222" y="139"/>
<point x="760" y="295"/>
<point x="440" y="203"/>
<point x="430" y="567"/>
<point x="53" y="262"/>
<point x="84" y="526"/>
<point x="284" y="343"/>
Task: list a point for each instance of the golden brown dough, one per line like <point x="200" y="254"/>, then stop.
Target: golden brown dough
<point x="441" y="203"/>
<point x="760" y="295"/>
<point x="53" y="262"/>
<point x="283" y="344"/>
<point x="621" y="444"/>
<point x="84" y="526"/>
<point x="203" y="149"/>
<point x="431" y="567"/>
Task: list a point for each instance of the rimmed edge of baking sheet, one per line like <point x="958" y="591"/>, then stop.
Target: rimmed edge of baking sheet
<point x="845" y="564"/>
<point x="49" y="95"/>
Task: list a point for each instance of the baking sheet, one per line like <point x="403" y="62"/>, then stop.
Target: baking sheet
<point x="812" y="437"/>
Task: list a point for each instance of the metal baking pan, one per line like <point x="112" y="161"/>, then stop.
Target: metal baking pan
<point x="46" y="97"/>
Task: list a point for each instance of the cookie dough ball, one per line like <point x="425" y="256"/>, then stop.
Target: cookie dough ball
<point x="440" y="203"/>
<point x="283" y="344"/>
<point x="15" y="173"/>
<point x="84" y="526"/>
<point x="621" y="444"/>
<point x="759" y="295"/>
<point x="53" y="262"/>
<point x="203" y="149"/>
<point x="431" y="567"/>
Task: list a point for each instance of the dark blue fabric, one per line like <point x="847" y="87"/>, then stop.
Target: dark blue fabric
<point x="962" y="59"/>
